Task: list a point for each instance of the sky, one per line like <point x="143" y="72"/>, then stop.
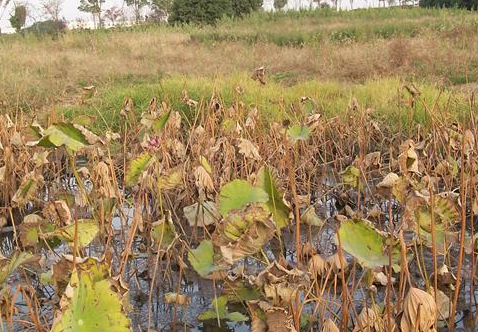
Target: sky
<point x="70" y="9"/>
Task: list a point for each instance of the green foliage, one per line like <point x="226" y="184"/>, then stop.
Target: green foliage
<point x="93" y="306"/>
<point x="200" y="11"/>
<point x="49" y="27"/>
<point x="72" y="136"/>
<point x="279" y="4"/>
<point x="244" y="7"/>
<point x="276" y="205"/>
<point x="209" y="11"/>
<point x="365" y="243"/>
<point x="19" y="17"/>
<point x="237" y="194"/>
<point x="137" y="5"/>
<point x="137" y="167"/>
<point x="351" y="176"/>
<point x="163" y="233"/>
<point x="298" y="133"/>
<point x="18" y="259"/>
<point x="91" y="6"/>
<point x="219" y="311"/>
<point x="202" y="260"/>
<point x="161" y="9"/>
<point x="87" y="231"/>
<point x="466" y="4"/>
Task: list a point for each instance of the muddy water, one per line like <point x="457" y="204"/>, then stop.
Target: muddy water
<point x="165" y="317"/>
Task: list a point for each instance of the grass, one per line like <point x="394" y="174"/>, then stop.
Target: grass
<point x="387" y="97"/>
<point x="311" y="27"/>
<point x="321" y="53"/>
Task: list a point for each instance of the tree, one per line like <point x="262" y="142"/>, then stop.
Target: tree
<point x="161" y="9"/>
<point x="54" y="24"/>
<point x="200" y="11"/>
<point x="94" y="7"/>
<point x="48" y="27"/>
<point x="244" y="7"/>
<point x="113" y="14"/>
<point x="279" y="4"/>
<point x="19" y="17"/>
<point x="137" y="6"/>
<point x="467" y="4"/>
<point x="52" y="9"/>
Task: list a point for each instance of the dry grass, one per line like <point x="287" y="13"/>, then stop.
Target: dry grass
<point x="40" y="73"/>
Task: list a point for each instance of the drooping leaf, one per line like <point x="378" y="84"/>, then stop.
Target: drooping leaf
<point x="29" y="230"/>
<point x="7" y="267"/>
<point x="280" y="211"/>
<point x="87" y="231"/>
<point x="171" y="179"/>
<point x="365" y="243"/>
<point x="248" y="149"/>
<point x="162" y="232"/>
<point x="368" y="320"/>
<point x="202" y="260"/>
<point x="28" y="189"/>
<point x="73" y="136"/>
<point x="423" y="229"/>
<point x="159" y="123"/>
<point x="408" y="158"/>
<point x="175" y="298"/>
<point x="239" y="193"/>
<point x="419" y="311"/>
<point x="351" y="176"/>
<point x="310" y="217"/>
<point x="137" y="167"/>
<point x="243" y="232"/>
<point x="329" y="326"/>
<point x="281" y="284"/>
<point x="2" y="173"/>
<point x="205" y="164"/>
<point x="202" y="215"/>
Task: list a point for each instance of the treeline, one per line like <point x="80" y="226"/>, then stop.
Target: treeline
<point x="464" y="4"/>
<point x="209" y="11"/>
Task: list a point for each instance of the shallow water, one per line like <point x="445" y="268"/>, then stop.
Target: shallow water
<point x="200" y="291"/>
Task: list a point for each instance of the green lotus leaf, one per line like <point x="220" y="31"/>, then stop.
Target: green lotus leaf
<point x="93" y="306"/>
<point x="298" y="133"/>
<point x="74" y="137"/>
<point x="219" y="311"/>
<point x="239" y="291"/>
<point x="280" y="211"/>
<point x="238" y="193"/>
<point x="158" y="124"/>
<point x="360" y="239"/>
<point x="202" y="260"/>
